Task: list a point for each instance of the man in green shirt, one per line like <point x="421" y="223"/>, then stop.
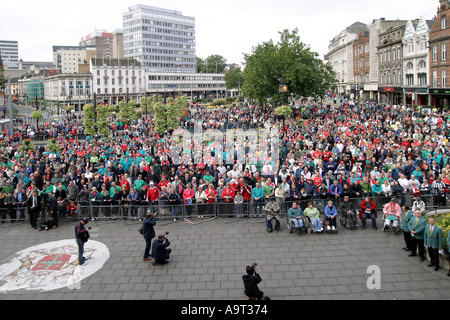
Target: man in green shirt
<point x="139" y="183"/>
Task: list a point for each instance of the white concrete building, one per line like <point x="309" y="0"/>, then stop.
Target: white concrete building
<point x="116" y="80"/>
<point x="68" y="89"/>
<point x="416" y="62"/>
<point x="340" y="55"/>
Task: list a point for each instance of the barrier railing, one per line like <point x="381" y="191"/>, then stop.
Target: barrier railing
<point x="220" y="208"/>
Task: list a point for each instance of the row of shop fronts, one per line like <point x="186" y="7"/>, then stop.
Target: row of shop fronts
<point x="436" y="97"/>
<point x="389" y="95"/>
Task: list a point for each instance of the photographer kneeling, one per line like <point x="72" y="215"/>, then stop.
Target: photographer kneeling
<point x="251" y="280"/>
<point x="160" y="252"/>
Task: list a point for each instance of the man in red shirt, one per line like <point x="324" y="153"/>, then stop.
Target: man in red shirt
<point x="153" y="196"/>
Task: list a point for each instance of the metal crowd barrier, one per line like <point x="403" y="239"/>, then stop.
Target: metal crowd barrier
<point x="219" y="209"/>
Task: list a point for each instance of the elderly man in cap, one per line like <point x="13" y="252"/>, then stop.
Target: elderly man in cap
<point x="272" y="212"/>
<point x="82" y="236"/>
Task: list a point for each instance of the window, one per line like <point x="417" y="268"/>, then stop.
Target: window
<point x="409" y="80"/>
<point x="443" y="23"/>
<point x="444" y="78"/>
<point x="435" y="78"/>
<point x="409" y="67"/>
<point x="444" y="52"/>
<point x="422" y="79"/>
<point x="435" y="53"/>
<point x="422" y="64"/>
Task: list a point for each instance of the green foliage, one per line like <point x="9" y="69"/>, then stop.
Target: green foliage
<point x="284" y="111"/>
<point x="37" y="115"/>
<point x="53" y="146"/>
<point x="167" y="116"/>
<point x="212" y="64"/>
<point x="303" y="73"/>
<point x="102" y="120"/>
<point x="27" y="145"/>
<point x="89" y="119"/>
<point x="127" y="111"/>
<point x="234" y="78"/>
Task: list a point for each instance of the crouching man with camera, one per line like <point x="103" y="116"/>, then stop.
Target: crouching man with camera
<point x="251" y="281"/>
<point x="160" y="252"/>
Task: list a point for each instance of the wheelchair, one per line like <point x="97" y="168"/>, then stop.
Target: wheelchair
<point x="346" y="223"/>
<point x="392" y="219"/>
<point x="305" y="228"/>
<point x="269" y="224"/>
<point x="325" y="226"/>
<point x="309" y="225"/>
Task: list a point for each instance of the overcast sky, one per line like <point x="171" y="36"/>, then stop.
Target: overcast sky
<point x="229" y="28"/>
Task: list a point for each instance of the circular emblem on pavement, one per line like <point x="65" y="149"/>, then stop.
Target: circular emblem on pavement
<point x="52" y="265"/>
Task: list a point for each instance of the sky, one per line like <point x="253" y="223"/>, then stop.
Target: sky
<point x="229" y="28"/>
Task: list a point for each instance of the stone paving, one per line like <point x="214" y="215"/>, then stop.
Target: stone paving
<point x="209" y="258"/>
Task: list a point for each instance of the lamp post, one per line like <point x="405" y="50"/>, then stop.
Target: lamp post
<point x="283" y="87"/>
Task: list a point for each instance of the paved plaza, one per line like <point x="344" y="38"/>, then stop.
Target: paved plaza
<point x="209" y="258"/>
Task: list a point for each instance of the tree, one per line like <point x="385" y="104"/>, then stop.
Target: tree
<point x="102" y="120"/>
<point x="37" y="115"/>
<point x="53" y="146"/>
<point x="212" y="64"/>
<point x="290" y="61"/>
<point x="89" y="119"/>
<point x="234" y="78"/>
<point x="127" y="111"/>
<point x="167" y="116"/>
<point x="3" y="80"/>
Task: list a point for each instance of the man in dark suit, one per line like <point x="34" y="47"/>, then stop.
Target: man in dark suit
<point x="160" y="252"/>
<point x="53" y="208"/>
<point x="148" y="232"/>
<point x="33" y="204"/>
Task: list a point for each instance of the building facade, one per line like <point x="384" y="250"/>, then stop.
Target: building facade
<point x="107" y="44"/>
<point x="439" y="44"/>
<point x="62" y="90"/>
<point x="9" y="51"/>
<point x="69" y="58"/>
<point x="161" y="40"/>
<point x="340" y="55"/>
<point x="415" y="62"/>
<point x="194" y="85"/>
<point x="361" y="67"/>
<point x="118" y="80"/>
<point x="390" y="57"/>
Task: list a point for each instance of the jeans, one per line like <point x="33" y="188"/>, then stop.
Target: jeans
<point x="80" y="244"/>
<point x="317" y="224"/>
<point x="298" y="223"/>
<point x="148" y="245"/>
<point x="257" y="206"/>
<point x="371" y="216"/>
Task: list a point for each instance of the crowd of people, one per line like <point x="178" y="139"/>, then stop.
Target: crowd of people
<point x="323" y="153"/>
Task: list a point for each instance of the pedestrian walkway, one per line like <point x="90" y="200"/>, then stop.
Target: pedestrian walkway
<point x="209" y="258"/>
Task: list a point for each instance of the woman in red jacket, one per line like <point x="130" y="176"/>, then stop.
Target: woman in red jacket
<point x="368" y="209"/>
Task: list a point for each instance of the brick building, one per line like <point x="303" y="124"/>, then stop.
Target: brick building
<point x="361" y="66"/>
<point x="439" y="44"/>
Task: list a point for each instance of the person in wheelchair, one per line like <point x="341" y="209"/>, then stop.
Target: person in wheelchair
<point x="296" y="216"/>
<point x="392" y="212"/>
<point x="348" y="213"/>
<point x="330" y="216"/>
<point x="314" y="215"/>
<point x="272" y="212"/>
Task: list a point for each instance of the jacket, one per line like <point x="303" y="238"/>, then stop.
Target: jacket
<point x="434" y="240"/>
<point x="81" y="232"/>
<point x="367" y="206"/>
<point x="251" y="285"/>
<point x="148" y="230"/>
<point x="329" y="212"/>
<point x="159" y="252"/>
<point x="418" y="227"/>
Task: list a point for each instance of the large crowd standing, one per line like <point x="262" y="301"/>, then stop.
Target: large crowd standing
<point x="325" y="152"/>
<point x="390" y="156"/>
